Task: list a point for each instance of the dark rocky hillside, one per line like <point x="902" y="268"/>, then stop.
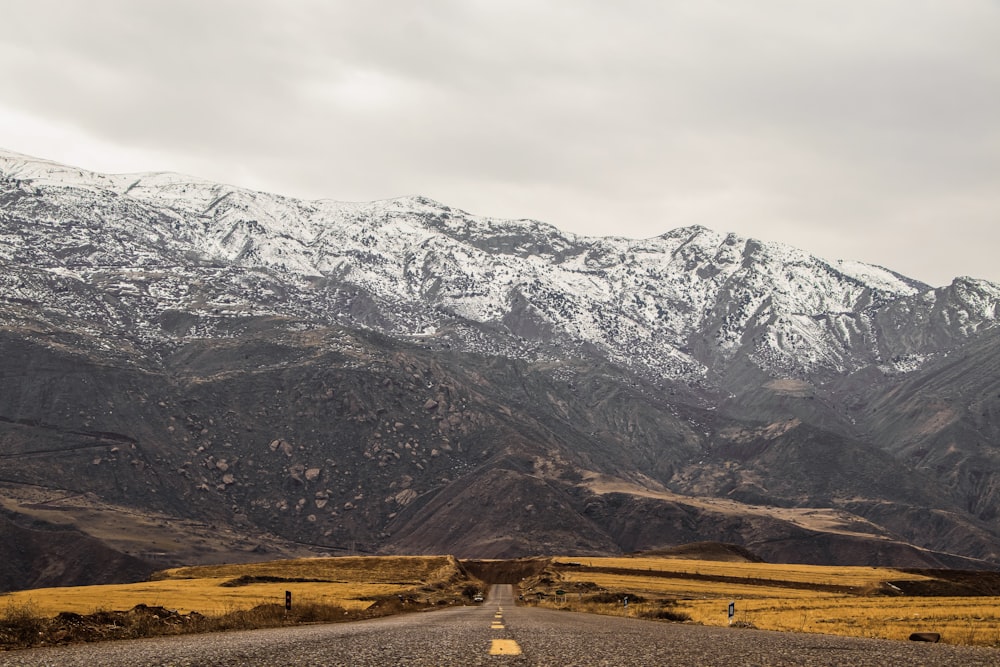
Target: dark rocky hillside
<point x="215" y="374"/>
<point x="42" y="556"/>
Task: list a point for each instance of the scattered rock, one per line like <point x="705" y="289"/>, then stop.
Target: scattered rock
<point x="405" y="497"/>
<point x="283" y="446"/>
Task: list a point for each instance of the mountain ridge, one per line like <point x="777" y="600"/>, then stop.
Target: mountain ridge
<point x="405" y="355"/>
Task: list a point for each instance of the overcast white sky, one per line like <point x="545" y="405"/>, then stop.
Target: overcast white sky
<point x="854" y="129"/>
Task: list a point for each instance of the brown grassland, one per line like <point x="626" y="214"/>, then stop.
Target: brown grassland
<point x="222" y="597"/>
<point x="349" y="582"/>
<point x="854" y="601"/>
<point x="850" y="601"/>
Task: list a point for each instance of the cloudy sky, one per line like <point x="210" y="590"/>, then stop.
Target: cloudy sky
<point x="854" y="129"/>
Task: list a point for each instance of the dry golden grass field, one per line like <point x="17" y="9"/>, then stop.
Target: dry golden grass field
<point x="344" y="582"/>
<point x="851" y="601"/>
<point x="854" y="601"/>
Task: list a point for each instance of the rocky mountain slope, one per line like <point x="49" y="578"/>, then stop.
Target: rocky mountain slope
<point x="401" y="376"/>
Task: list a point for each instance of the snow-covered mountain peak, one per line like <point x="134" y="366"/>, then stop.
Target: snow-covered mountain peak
<point x="680" y="304"/>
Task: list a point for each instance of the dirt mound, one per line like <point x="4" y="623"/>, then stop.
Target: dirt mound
<point x="717" y="551"/>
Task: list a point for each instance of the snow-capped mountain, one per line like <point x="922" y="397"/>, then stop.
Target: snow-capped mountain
<point x="680" y="305"/>
<point x="709" y="339"/>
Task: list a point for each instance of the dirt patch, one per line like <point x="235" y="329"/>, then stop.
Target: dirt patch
<point x="248" y="579"/>
<point x="950" y="583"/>
<point x="790" y="387"/>
<point x="506" y="571"/>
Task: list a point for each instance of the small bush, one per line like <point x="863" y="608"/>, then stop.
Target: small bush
<point x="607" y="597"/>
<point x="316" y="612"/>
<point x="20" y="624"/>
<point x="261" y="616"/>
<point x="586" y="586"/>
<point x="665" y="615"/>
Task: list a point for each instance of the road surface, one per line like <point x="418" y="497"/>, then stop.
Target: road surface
<point x="500" y="634"/>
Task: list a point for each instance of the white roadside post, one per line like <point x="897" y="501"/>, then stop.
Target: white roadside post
<point x="732" y="611"/>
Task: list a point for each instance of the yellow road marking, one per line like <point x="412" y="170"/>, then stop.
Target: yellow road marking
<point x="504" y="647"/>
<point x="496" y="626"/>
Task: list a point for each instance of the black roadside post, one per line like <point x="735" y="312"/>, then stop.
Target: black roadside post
<point x="288" y="601"/>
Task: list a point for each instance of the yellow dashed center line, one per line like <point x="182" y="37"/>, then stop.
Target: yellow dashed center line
<point x="504" y="647"/>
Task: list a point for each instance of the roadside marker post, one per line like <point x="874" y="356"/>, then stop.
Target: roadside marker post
<point x="288" y="601"/>
<point x="732" y="611"/>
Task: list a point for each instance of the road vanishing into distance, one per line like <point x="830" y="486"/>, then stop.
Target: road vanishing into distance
<point x="499" y="634"/>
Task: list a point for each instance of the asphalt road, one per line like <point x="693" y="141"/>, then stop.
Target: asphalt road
<point x="499" y="634"/>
